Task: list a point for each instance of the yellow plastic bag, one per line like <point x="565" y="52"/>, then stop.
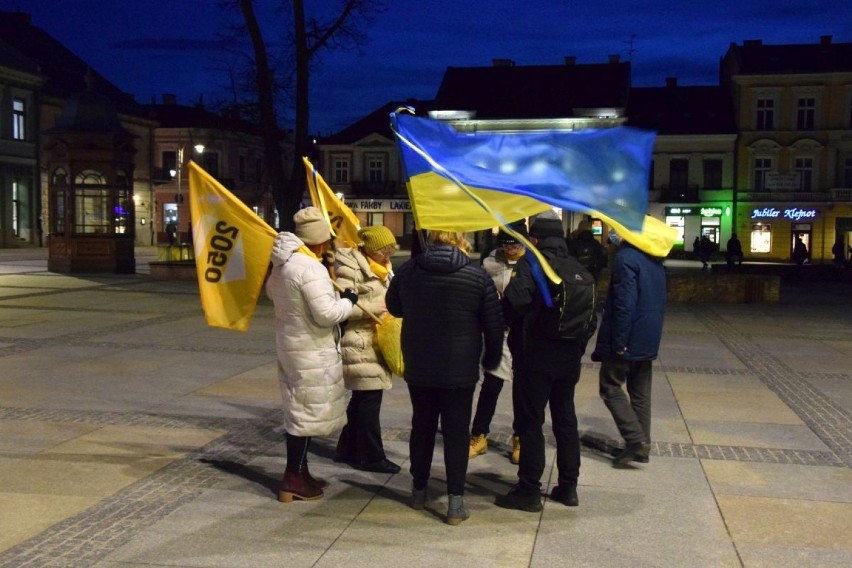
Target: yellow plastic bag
<point x="388" y="333"/>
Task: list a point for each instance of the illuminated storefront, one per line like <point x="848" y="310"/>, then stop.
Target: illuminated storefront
<point x="697" y="220"/>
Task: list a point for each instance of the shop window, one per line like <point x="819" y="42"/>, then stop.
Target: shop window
<point x="765" y="115"/>
<point x="761" y="238"/>
<point x="374" y="219"/>
<point x="169" y="213"/>
<point x="712" y="173"/>
<point x="762" y="166"/>
<point x="677" y="223"/>
<point x="92" y="211"/>
<point x="805" y="112"/>
<point x="123" y="210"/>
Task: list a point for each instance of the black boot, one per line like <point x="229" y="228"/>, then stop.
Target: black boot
<point x="522" y="499"/>
<point x="565" y="494"/>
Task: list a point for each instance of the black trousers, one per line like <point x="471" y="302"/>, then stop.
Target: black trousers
<point x="361" y="438"/>
<point x="486" y="405"/>
<point x="537" y="386"/>
<point x="453" y="408"/>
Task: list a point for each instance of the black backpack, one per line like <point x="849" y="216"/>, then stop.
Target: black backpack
<point x="572" y="317"/>
<point x="589" y="253"/>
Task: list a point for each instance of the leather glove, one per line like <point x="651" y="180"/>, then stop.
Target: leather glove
<point x="349" y="294"/>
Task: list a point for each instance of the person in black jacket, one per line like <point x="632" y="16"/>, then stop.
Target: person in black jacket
<point x="628" y="340"/>
<point x="450" y="315"/>
<point x="550" y="369"/>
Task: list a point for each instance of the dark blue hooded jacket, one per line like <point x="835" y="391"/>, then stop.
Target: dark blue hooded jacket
<point x="633" y="314"/>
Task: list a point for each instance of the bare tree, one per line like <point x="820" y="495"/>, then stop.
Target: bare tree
<point x="310" y="36"/>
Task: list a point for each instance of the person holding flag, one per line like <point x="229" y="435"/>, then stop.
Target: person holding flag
<point x="367" y="269"/>
<point x="308" y="312"/>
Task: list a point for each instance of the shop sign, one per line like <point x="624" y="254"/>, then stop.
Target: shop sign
<point x="711" y="211"/>
<point x="681" y="211"/>
<point x="379" y="205"/>
<point x="794" y="214"/>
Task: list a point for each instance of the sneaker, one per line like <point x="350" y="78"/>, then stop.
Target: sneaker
<point x="565" y="494"/>
<point x="478" y="445"/>
<point x="520" y="499"/>
<point x="515" y="456"/>
<point x="631" y="452"/>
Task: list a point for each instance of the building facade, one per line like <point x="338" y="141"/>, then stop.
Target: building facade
<point x="793" y="109"/>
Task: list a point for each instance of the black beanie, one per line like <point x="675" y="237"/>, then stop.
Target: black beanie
<point x="504" y="238"/>
<point x="547" y="225"/>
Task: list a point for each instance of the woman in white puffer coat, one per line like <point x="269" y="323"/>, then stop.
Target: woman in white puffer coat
<point x="310" y="369"/>
<point x="367" y="270"/>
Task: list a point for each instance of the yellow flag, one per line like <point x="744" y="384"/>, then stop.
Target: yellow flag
<point x="232" y="249"/>
<point x="344" y="223"/>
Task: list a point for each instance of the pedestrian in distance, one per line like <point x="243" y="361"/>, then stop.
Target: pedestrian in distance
<point x="499" y="265"/>
<point x="451" y="320"/>
<point x="800" y="251"/>
<point x="628" y="341"/>
<point x="366" y="269"/>
<point x="734" y="251"/>
<point x="551" y="337"/>
<point x="308" y="312"/>
<point x="705" y="250"/>
<point x="838" y="253"/>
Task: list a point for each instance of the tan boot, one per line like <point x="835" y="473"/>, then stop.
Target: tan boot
<point x="296" y="486"/>
<point x="515" y="456"/>
<point x="478" y="445"/>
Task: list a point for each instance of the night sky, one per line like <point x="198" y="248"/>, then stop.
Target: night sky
<point x="151" y="47"/>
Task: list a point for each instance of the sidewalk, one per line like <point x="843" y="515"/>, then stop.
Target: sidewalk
<point x="131" y="435"/>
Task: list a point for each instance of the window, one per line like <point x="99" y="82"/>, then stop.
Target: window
<point x="762" y="166"/>
<point x="805" y="168"/>
<point x="761" y="238"/>
<point x="805" y="112"/>
<point x="241" y="171"/>
<point x="340" y="169"/>
<point x="678" y="173"/>
<point x="210" y="162"/>
<point x="375" y="169"/>
<point x="19" y="131"/>
<point x="374" y="219"/>
<point x="16" y="209"/>
<point x="847" y="173"/>
<point x="713" y="173"/>
<point x="765" y="114"/>
<point x="169" y="160"/>
<point x="258" y="170"/>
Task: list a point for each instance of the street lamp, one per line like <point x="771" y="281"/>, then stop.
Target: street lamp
<point x="179" y="197"/>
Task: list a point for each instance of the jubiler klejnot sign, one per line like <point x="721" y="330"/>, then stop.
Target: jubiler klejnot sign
<point x="794" y="213"/>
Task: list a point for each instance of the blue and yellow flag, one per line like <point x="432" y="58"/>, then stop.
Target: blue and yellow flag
<point x="343" y="222"/>
<point x="603" y="170"/>
<point x="232" y="248"/>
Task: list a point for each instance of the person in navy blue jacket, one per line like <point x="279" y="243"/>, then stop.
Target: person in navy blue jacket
<point x="628" y="340"/>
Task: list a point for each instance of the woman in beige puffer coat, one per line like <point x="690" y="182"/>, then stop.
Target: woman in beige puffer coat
<point x="367" y="270"/>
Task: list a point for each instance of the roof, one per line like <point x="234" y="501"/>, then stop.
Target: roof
<point x="65" y="73"/>
<point x="534" y="91"/>
<point x="377" y="122"/>
<point x="14" y="59"/>
<point x="755" y="58"/>
<point x="173" y="115"/>
<point x="682" y="110"/>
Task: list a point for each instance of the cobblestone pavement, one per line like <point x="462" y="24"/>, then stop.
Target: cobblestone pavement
<point x="746" y="340"/>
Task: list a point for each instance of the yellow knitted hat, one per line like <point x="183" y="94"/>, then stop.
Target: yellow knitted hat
<point x="376" y="238"/>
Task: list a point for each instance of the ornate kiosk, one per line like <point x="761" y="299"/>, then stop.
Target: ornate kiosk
<point x="89" y="157"/>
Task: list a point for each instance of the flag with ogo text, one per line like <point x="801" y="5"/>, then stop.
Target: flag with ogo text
<point x="232" y="249"/>
<point x="343" y="222"/>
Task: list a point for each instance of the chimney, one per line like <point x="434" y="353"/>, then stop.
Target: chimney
<point x="825" y="40"/>
<point x="169" y="99"/>
<point x="570" y="59"/>
<point x="503" y="62"/>
<point x="671" y="82"/>
<point x="614" y="58"/>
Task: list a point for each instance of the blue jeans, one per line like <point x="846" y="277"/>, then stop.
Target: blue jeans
<point x="632" y="415"/>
